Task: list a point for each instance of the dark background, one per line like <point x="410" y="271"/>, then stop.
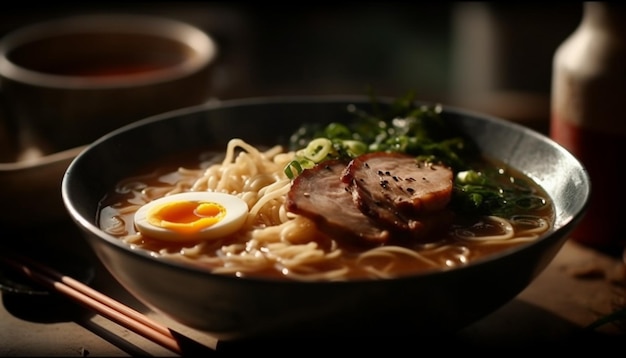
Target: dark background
<point x="493" y="57"/>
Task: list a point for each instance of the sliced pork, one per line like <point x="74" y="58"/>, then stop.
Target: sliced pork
<point x="320" y="195"/>
<point x="375" y="199"/>
<point x="398" y="191"/>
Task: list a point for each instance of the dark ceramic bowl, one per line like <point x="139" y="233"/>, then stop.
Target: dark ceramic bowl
<point x="233" y="308"/>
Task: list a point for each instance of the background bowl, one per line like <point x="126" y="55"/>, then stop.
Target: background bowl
<point x="234" y="308"/>
<point x="67" y="81"/>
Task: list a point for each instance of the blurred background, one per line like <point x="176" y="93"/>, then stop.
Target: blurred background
<point x="493" y="57"/>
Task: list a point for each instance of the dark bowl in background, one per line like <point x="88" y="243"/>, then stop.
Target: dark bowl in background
<point x="233" y="308"/>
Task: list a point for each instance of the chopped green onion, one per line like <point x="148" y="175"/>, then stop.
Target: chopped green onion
<point x="293" y="164"/>
<point x="317" y="150"/>
<point x="354" y="148"/>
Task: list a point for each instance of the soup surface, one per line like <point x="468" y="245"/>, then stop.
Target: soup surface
<point x="493" y="207"/>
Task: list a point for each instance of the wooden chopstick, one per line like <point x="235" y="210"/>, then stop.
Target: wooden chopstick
<point x="102" y="304"/>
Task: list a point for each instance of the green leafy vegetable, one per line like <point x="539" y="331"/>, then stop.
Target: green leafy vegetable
<point x="493" y="192"/>
<point x="406" y="127"/>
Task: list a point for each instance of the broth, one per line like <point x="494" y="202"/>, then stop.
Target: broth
<point x="274" y="247"/>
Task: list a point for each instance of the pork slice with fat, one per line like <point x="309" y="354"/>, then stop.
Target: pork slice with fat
<point x="319" y="194"/>
<point x="398" y="191"/>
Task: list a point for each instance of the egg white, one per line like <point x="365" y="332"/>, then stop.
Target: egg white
<point x="236" y="213"/>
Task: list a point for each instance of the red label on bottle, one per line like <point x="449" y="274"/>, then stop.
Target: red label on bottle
<point x="601" y="155"/>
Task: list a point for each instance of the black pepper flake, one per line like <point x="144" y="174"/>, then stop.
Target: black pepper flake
<point x="410" y="190"/>
<point x="395" y="178"/>
<point x="380" y="172"/>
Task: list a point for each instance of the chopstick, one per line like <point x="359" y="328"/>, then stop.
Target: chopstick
<point x="97" y="301"/>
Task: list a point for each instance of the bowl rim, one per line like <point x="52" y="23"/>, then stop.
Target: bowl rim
<point x="544" y="240"/>
<point x="204" y="47"/>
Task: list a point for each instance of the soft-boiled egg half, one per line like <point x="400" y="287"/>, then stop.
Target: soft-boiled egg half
<point x="191" y="216"/>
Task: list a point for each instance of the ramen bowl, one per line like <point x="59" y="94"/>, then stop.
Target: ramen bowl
<point x="234" y="308"/>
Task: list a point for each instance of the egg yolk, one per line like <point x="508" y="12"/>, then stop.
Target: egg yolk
<point x="186" y="217"/>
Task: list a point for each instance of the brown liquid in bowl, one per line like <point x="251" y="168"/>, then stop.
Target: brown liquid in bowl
<point x="448" y="251"/>
<point x="100" y="55"/>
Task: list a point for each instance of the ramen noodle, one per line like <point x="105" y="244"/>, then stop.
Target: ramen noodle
<point x="274" y="243"/>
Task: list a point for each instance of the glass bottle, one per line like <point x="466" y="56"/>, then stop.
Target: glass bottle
<point x="588" y="117"/>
